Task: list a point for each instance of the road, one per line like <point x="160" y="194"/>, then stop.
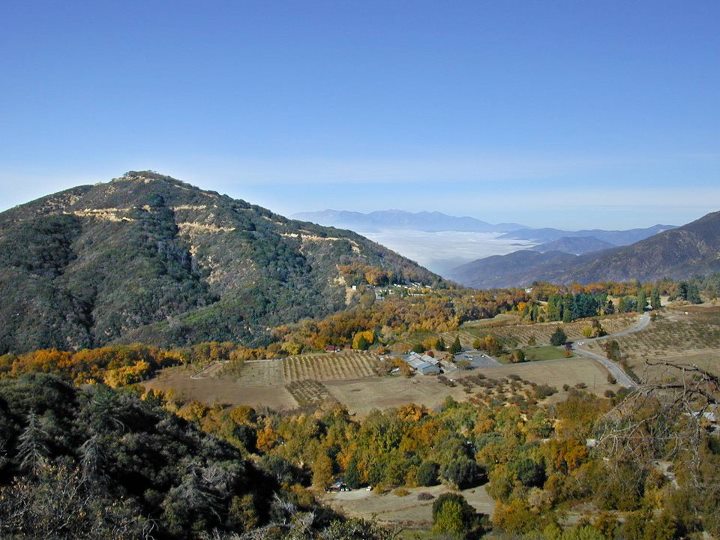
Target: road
<point x="615" y="370"/>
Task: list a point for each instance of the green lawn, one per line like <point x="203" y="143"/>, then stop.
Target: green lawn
<point x="548" y="352"/>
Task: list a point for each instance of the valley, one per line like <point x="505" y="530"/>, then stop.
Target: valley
<point x="362" y="381"/>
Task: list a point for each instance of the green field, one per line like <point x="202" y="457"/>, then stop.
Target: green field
<point x="535" y="354"/>
<point x="547" y="352"/>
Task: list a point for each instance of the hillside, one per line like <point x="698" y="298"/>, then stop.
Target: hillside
<point x="399" y="219"/>
<point x="575" y="245"/>
<point x="693" y="249"/>
<point x="147" y="257"/>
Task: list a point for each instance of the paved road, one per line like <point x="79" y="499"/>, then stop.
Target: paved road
<point x="620" y="376"/>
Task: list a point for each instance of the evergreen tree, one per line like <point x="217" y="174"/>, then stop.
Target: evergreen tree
<point x="641" y="301"/>
<point x="693" y="294"/>
<point x="558" y="338"/>
<point x="655" y="299"/>
<point x="32" y="450"/>
<point x="568" y="308"/>
<point x="456" y="347"/>
<point x="554" y="307"/>
<point x="682" y="290"/>
<point x="352" y="474"/>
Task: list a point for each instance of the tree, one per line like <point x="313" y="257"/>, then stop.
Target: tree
<point x="456" y="347"/>
<point x="693" y="294"/>
<point x="568" y="308"/>
<point x="530" y="473"/>
<point x="655" y="299"/>
<point x="641" y="301"/>
<point x="418" y="348"/>
<point x="352" y="474"/>
<point x="559" y="337"/>
<point x="452" y="515"/>
<point x="363" y="340"/>
<point x="427" y="473"/>
<point x="322" y="470"/>
<point x="461" y="472"/>
<point x="32" y="450"/>
<point x="612" y="350"/>
<point x="554" y="307"/>
<point x="517" y="356"/>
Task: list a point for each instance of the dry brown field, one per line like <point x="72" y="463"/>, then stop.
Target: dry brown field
<point x="406" y="511"/>
<point x="518" y="335"/>
<point x="571" y="371"/>
<point x="218" y="390"/>
<point x="315" y="380"/>
<point x="686" y="334"/>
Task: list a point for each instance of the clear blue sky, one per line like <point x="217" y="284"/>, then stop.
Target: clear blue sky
<point x="559" y="113"/>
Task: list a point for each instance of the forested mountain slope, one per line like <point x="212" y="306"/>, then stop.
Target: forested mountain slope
<point x="147" y="257"/>
<point x="693" y="249"/>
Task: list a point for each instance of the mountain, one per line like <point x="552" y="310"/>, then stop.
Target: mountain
<point x="575" y="245"/>
<point x="149" y="258"/>
<point x="677" y="253"/>
<point x="616" y="238"/>
<point x="399" y="219"/>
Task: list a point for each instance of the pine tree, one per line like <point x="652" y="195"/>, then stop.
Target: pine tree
<point x="655" y="299"/>
<point x="456" y="347"/>
<point x="558" y="338"/>
<point x="568" y="308"/>
<point x="641" y="301"/>
<point x="32" y="450"/>
<point x="693" y="294"/>
<point x="352" y="474"/>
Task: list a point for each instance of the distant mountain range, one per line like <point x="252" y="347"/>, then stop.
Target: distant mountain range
<point x="441" y="242"/>
<point x="616" y="238"/>
<point x="676" y="253"/>
<point x="148" y="258"/>
<point x="575" y="245"/>
<point x="399" y="219"/>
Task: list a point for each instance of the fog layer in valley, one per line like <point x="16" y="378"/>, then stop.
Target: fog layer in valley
<point x="443" y="251"/>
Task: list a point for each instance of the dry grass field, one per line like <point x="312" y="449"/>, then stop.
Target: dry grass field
<point x="689" y="335"/>
<point x="514" y="334"/>
<point x="405" y="511"/>
<point x="217" y="390"/>
<point x="281" y="384"/>
<point x="315" y="380"/>
<point x="574" y="372"/>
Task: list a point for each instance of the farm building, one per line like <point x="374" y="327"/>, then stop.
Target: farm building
<point x="422" y="363"/>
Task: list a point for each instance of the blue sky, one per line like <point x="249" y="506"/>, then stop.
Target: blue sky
<point x="555" y="113"/>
